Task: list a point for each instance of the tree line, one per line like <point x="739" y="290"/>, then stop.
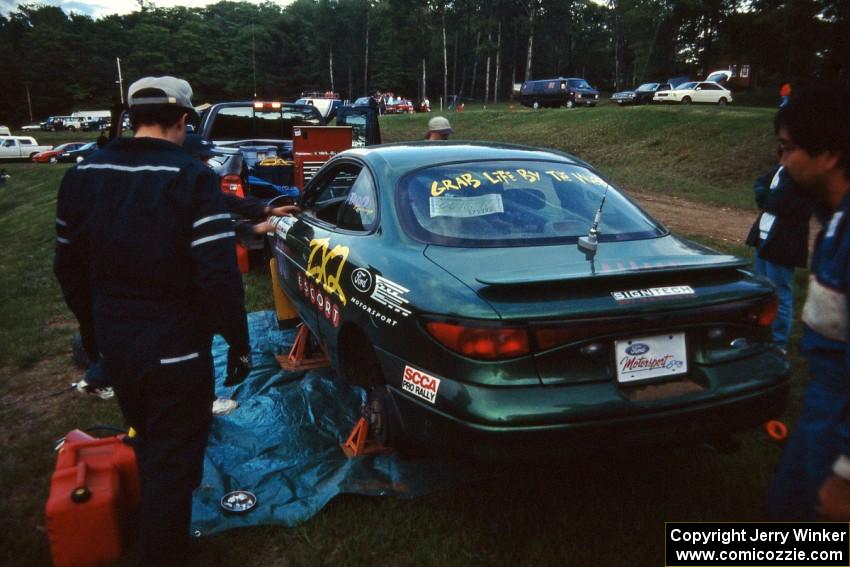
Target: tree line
<point x="54" y="62"/>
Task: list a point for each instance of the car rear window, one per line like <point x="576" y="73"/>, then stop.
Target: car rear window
<point x="244" y="123"/>
<point x="512" y="203"/>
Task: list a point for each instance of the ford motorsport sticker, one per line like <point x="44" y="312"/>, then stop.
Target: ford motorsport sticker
<point x="652" y="293"/>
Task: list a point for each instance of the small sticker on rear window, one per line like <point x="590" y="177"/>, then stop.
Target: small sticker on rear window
<point x="465" y="207"/>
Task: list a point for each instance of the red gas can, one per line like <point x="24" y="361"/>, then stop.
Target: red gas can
<point x="93" y="491"/>
<point x="115" y="451"/>
<point x="84" y="515"/>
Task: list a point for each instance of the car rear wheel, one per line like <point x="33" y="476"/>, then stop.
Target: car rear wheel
<point x="722" y="101"/>
<point x="359" y="366"/>
<point x="686" y="100"/>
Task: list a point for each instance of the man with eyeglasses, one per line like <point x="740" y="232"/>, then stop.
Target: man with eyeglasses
<point x="813" y="476"/>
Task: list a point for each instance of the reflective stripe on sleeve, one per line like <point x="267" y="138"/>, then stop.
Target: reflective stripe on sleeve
<point x="131" y="169"/>
<point x="179" y="358"/>
<point x="60" y="222"/>
<point x="61" y="240"/>
<point x="210" y="218"/>
<point x="206" y="239"/>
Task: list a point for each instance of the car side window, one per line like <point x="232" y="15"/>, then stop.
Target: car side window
<point x="346" y="198"/>
<point x="8" y="143"/>
<point x="710" y="87"/>
<point x="360" y="209"/>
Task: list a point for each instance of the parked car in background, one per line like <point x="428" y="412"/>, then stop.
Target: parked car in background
<point x="19" y="147"/>
<point x="78" y="154"/>
<point x="701" y="91"/>
<point x="558" y="92"/>
<point x="641" y="95"/>
<point x="52" y="155"/>
<point x="455" y="282"/>
<point x="327" y="106"/>
<point x="4" y="131"/>
<point x="31" y="127"/>
<point x="399" y="106"/>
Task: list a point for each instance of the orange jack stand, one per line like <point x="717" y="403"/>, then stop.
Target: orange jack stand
<point x="300" y="356"/>
<point x="358" y="442"/>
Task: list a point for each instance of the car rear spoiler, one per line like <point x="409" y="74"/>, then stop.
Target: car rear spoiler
<point x="602" y="269"/>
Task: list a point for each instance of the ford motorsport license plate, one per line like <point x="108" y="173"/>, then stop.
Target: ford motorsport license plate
<point x="651" y="357"/>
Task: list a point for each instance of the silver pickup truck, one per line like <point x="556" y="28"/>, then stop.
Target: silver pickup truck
<point x="20" y="147"/>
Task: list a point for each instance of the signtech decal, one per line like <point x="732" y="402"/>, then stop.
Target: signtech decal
<point x="325" y="266"/>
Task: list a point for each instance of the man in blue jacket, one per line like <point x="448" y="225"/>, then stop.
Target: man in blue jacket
<point x="813" y="477"/>
<point x="145" y="257"/>
<point x="781" y="237"/>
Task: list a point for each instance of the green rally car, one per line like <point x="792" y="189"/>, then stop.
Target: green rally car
<point x="508" y="301"/>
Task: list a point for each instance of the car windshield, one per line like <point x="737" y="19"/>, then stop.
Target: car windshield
<point x="686" y="86"/>
<point x="648" y="87"/>
<point x="245" y="123"/>
<point x="578" y="84"/>
<point x="515" y="203"/>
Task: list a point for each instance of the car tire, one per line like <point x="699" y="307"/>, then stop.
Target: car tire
<point x="722" y="101"/>
<point x="359" y="366"/>
<point x="686" y="100"/>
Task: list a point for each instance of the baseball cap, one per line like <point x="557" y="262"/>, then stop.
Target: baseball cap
<point x="197" y="146"/>
<point x="161" y="90"/>
<point x="440" y="124"/>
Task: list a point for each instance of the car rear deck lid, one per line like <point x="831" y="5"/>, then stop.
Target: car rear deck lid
<point x="607" y="268"/>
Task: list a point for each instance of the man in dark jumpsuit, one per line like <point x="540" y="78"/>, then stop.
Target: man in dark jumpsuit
<point x="813" y="476"/>
<point x="145" y="257"/>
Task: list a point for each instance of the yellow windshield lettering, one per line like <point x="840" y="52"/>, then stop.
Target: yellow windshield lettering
<point x="529" y="175"/>
<point x="558" y="175"/>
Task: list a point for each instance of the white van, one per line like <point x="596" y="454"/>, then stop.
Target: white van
<point x="4" y="131"/>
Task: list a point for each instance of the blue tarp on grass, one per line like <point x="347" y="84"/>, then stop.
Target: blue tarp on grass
<point x="283" y="444"/>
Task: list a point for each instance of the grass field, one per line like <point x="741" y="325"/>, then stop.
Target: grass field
<point x="599" y="510"/>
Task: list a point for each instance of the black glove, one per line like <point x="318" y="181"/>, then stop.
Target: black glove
<point x="238" y="367"/>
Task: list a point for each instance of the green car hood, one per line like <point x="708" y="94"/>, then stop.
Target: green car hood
<point x="559" y="280"/>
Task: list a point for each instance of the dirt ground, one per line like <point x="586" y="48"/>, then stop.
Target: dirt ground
<point x="697" y="219"/>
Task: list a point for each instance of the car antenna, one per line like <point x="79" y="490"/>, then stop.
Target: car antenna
<point x="590" y="242"/>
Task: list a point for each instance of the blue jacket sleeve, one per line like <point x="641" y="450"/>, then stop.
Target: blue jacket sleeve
<point x="215" y="273"/>
<point x="71" y="262"/>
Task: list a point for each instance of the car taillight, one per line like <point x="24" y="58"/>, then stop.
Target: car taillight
<point x="764" y="313"/>
<point x="483" y="343"/>
<point x="232" y="184"/>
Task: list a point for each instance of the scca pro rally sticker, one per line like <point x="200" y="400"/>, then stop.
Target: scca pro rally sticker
<point x="652" y="293"/>
<point x="420" y="384"/>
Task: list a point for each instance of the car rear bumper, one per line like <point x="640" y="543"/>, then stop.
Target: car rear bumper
<point x="482" y="421"/>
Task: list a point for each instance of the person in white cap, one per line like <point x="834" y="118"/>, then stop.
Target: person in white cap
<point x="145" y="256"/>
<point x="438" y="129"/>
